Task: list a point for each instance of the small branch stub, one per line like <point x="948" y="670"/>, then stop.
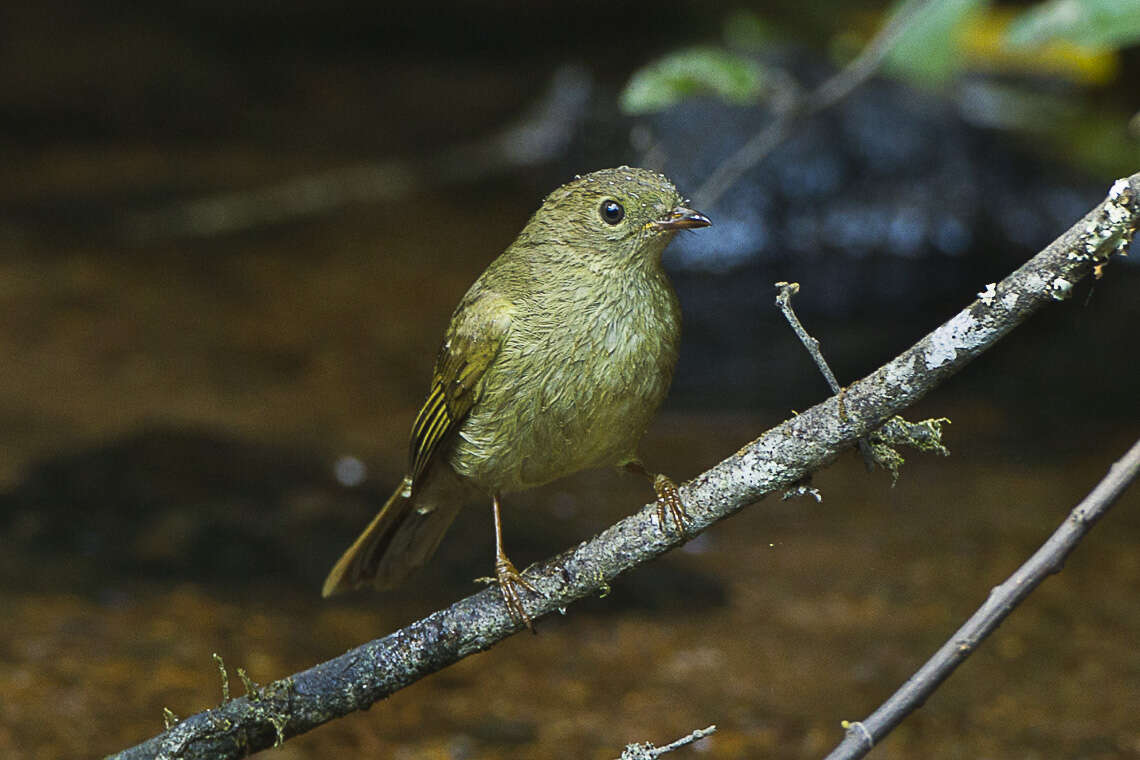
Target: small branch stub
<point x="251" y="689"/>
<point x="225" y="677"/>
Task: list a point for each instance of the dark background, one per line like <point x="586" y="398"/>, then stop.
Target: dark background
<point x="176" y="396"/>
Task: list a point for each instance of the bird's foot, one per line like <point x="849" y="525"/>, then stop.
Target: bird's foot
<point x="669" y="504"/>
<point x="511" y="583"/>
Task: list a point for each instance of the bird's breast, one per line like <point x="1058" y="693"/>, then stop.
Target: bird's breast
<point x="575" y="385"/>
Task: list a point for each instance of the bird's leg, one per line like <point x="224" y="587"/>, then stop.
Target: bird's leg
<point x="509" y="579"/>
<point x="668" y="497"/>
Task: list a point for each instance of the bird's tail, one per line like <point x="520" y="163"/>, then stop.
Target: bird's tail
<point x="400" y="539"/>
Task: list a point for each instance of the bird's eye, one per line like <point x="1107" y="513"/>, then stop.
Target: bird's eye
<point x="612" y="211"/>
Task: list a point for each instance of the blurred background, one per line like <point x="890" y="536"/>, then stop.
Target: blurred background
<point x="232" y="234"/>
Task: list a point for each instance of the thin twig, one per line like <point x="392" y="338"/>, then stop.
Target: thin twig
<point x="784" y="302"/>
<point x="1050" y="558"/>
<point x="782" y="456"/>
<point x="647" y="751"/>
<point x="839" y="86"/>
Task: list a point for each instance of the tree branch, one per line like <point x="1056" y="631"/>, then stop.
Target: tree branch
<point x="542" y="132"/>
<point x="1050" y="558"/>
<point x="776" y="460"/>
<point x="859" y="70"/>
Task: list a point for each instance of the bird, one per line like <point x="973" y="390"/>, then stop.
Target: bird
<point x="555" y="361"/>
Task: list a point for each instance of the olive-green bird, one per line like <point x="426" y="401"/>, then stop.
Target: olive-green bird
<point x="555" y="361"/>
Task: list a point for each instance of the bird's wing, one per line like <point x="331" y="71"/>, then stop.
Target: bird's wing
<point x="472" y="342"/>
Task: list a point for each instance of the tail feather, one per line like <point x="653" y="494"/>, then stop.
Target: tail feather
<point x="401" y="538"/>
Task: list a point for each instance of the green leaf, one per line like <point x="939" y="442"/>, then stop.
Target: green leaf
<point x="926" y="51"/>
<point x="1104" y="24"/>
<point x="695" y="71"/>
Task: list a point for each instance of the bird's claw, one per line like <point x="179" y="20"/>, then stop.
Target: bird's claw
<point x="511" y="582"/>
<point x="669" y="504"/>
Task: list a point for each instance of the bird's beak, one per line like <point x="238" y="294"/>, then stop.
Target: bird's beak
<point x="682" y="218"/>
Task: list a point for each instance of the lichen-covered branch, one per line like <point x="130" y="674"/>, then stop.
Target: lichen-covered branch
<point x="775" y="461"/>
<point x="647" y="751"/>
